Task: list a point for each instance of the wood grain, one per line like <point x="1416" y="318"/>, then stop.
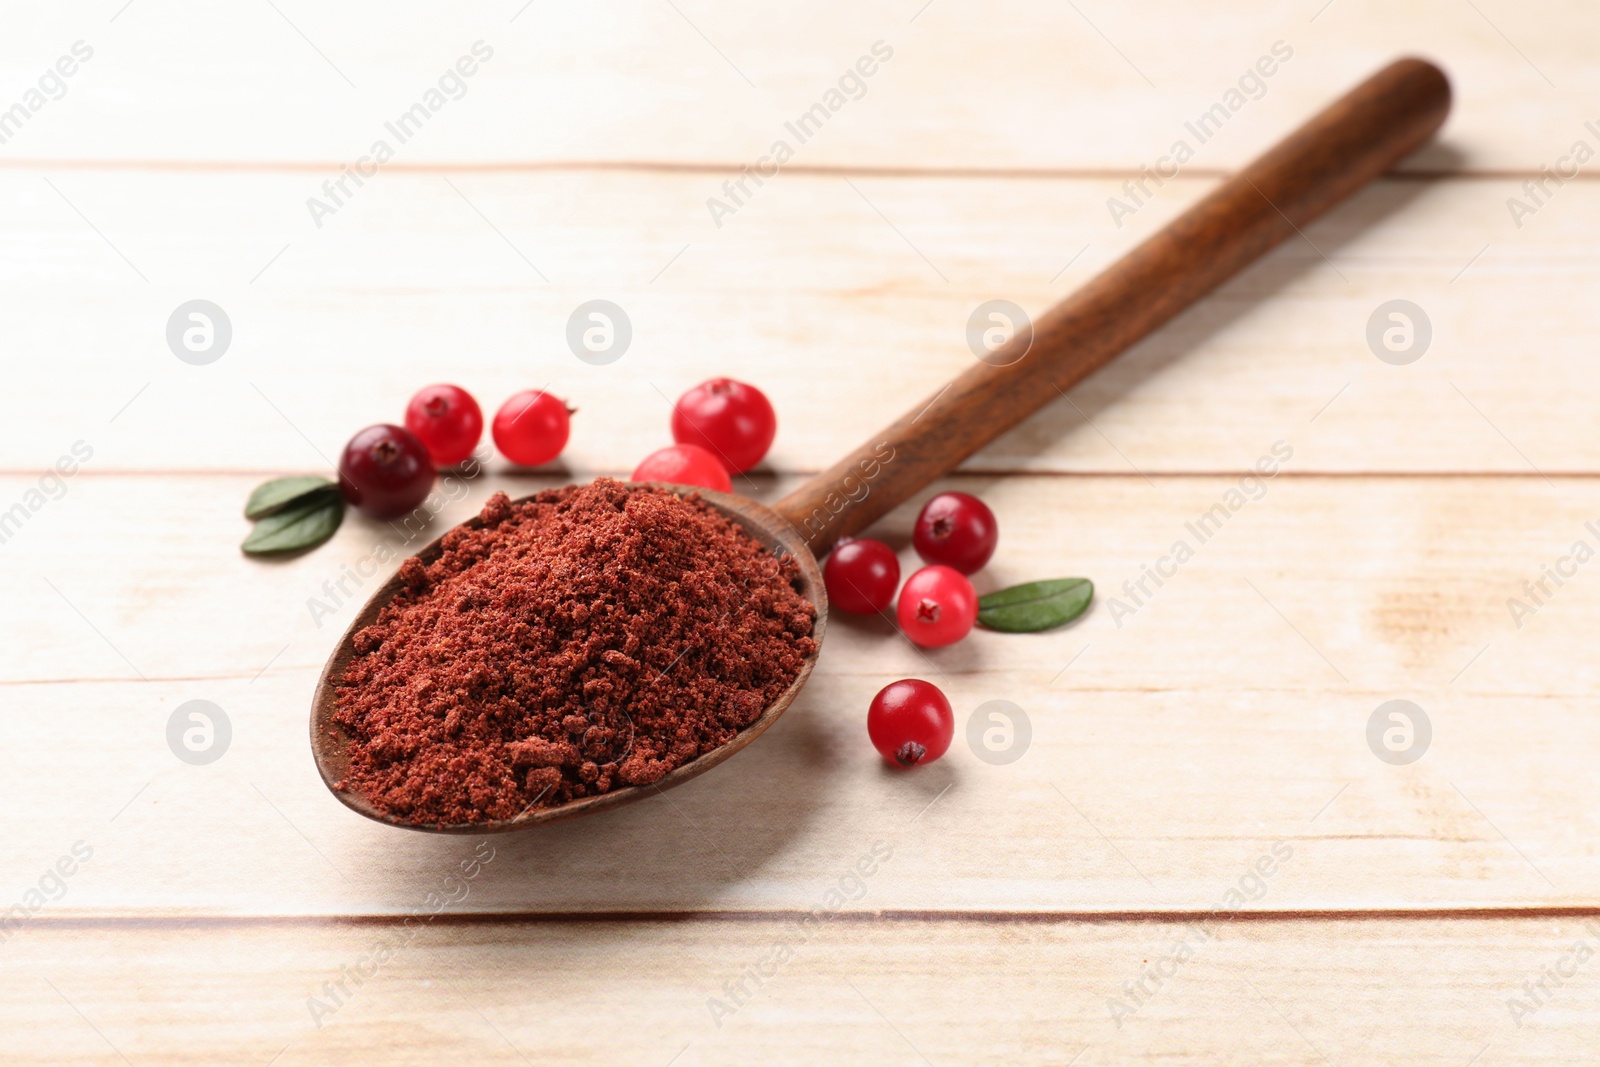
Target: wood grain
<point x="899" y="992"/>
<point x="1229" y="710"/>
<point x="1226" y="714"/>
<point x="1014" y="85"/>
<point x="411" y="286"/>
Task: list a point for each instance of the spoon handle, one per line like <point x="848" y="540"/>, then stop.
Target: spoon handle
<point x="1354" y="139"/>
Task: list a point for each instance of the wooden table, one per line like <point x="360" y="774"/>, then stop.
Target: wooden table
<point x="1199" y="858"/>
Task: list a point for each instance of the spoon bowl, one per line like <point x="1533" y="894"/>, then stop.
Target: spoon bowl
<point x="330" y="744"/>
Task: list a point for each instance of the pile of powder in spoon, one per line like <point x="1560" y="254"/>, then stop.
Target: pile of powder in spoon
<point x="591" y="638"/>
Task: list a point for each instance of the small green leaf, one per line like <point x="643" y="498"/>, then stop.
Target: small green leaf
<point x="279" y="493"/>
<point x="1034" y="606"/>
<point x="304" y="525"/>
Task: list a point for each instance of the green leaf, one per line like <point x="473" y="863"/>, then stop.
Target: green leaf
<point x="1034" y="606"/>
<point x="279" y="493"/>
<point x="303" y="525"/>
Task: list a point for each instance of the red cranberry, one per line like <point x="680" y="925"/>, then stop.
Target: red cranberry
<point x="937" y="606"/>
<point x="684" y="465"/>
<point x="729" y="419"/>
<point x="532" y="427"/>
<point x="861" y="576"/>
<point x="910" y="722"/>
<point x="447" y="421"/>
<point x="957" y="530"/>
<point x="385" y="471"/>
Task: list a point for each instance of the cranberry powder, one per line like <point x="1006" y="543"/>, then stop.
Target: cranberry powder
<point x="591" y="638"/>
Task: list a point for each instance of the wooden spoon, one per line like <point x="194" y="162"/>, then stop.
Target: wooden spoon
<point x="1357" y="137"/>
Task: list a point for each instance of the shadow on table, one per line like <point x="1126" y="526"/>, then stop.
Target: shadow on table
<point x="1262" y="282"/>
<point x="669" y="851"/>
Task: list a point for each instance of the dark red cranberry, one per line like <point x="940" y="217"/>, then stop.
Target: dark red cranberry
<point x="385" y="471"/>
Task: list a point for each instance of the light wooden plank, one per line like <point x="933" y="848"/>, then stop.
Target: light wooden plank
<point x="810" y="294"/>
<point x="1016" y="84"/>
<point x="1170" y="754"/>
<point x="1226" y="712"/>
<point x="906" y="992"/>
